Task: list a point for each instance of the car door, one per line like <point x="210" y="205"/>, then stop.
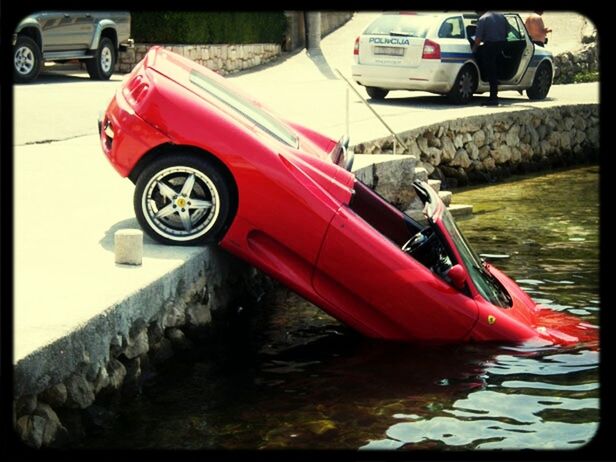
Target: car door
<point x="518" y="52"/>
<point x="65" y="30"/>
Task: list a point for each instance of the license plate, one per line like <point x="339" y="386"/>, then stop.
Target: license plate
<point x="389" y="51"/>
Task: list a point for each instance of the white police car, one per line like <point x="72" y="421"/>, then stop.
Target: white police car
<point x="432" y="52"/>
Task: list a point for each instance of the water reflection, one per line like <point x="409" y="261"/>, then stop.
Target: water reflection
<point x="298" y="379"/>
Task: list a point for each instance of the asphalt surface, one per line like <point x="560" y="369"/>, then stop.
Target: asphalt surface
<point x="68" y="200"/>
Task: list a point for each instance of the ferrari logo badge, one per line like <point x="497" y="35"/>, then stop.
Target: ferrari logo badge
<point x="491" y="319"/>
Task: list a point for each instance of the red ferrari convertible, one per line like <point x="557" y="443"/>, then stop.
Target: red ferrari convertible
<point x="212" y="165"/>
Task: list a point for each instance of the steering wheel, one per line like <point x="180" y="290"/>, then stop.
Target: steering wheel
<point x="419" y="240"/>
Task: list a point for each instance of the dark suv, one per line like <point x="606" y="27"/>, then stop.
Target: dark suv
<point x="91" y="37"/>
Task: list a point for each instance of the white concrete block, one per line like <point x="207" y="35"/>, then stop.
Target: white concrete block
<point x="128" y="246"/>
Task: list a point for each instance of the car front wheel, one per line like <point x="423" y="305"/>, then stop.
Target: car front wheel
<point x="541" y="83"/>
<point x="464" y="86"/>
<point x="27" y="59"/>
<point x="183" y="200"/>
<point x="376" y="93"/>
<point x="101" y="66"/>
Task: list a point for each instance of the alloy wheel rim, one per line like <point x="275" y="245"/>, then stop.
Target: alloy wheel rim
<point x="106" y="58"/>
<point x="466" y="85"/>
<point x="181" y="203"/>
<point x="24" y="60"/>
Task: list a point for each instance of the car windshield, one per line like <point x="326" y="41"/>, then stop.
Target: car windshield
<point x="411" y="25"/>
<point x="486" y="284"/>
<point x="261" y="118"/>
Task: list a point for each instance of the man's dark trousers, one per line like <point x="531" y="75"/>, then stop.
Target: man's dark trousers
<point x="490" y="53"/>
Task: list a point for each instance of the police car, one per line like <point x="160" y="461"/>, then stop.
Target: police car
<point x="432" y="52"/>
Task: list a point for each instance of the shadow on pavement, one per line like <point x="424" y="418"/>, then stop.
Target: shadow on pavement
<point x="151" y="248"/>
<point x="441" y="102"/>
<point x="317" y="57"/>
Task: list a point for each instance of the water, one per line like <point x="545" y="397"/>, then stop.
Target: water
<point x="293" y="377"/>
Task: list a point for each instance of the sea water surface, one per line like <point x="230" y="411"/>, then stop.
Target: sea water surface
<point x="293" y="377"/>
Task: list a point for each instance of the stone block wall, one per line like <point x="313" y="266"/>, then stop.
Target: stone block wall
<point x="59" y="390"/>
<point x="483" y="148"/>
<point x="224" y="59"/>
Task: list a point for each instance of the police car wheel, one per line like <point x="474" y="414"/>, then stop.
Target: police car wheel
<point x="541" y="83"/>
<point x="464" y="86"/>
<point x="376" y="93"/>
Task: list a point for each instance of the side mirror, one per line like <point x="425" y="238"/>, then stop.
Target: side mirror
<point x="457" y="274"/>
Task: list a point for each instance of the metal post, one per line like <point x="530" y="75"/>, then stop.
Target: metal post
<point x="373" y="111"/>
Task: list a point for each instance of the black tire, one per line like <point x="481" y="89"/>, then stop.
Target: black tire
<point x="101" y="66"/>
<point x="184" y="222"/>
<point x="464" y="87"/>
<point x="541" y="83"/>
<point x="376" y="93"/>
<point x="27" y="60"/>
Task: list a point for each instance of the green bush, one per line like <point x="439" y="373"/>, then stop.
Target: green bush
<point x="169" y="27"/>
<point x="588" y="76"/>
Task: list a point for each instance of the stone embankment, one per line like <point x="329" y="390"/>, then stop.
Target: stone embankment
<point x="571" y="63"/>
<point x="223" y="59"/>
<point x="487" y="147"/>
<point x="70" y="386"/>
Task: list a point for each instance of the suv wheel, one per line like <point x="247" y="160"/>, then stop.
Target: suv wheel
<point x="101" y="66"/>
<point x="27" y="59"/>
<point x="376" y="93"/>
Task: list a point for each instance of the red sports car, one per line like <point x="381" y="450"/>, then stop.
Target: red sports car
<point x="212" y="165"/>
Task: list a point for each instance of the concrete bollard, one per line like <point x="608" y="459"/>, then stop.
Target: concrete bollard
<point x="128" y="246"/>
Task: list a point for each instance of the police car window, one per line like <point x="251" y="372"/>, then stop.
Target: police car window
<point x="452" y="28"/>
<point x="513" y="31"/>
<point x="410" y="25"/>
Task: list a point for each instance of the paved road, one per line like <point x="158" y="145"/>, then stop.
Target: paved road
<point x="68" y="201"/>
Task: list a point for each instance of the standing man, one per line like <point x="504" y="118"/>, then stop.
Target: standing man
<point x="536" y="28"/>
<point x="492" y="31"/>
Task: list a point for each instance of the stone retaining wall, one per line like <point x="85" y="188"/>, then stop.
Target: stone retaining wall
<point x="65" y="388"/>
<point x="568" y="64"/>
<point x="483" y="148"/>
<point x="224" y="59"/>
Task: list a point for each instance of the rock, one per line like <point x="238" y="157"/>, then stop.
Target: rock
<point x="502" y="154"/>
<point x="175" y="313"/>
<point x="80" y="393"/>
<point x="413" y="149"/>
<point x="472" y="150"/>
<point x="545" y="147"/>
<point x="445" y="197"/>
<point x="434" y="156"/>
<point x="395" y="180"/>
<point x="137" y="345"/>
<point x="512" y="138"/>
<point x="132" y="382"/>
<point x="52" y="427"/>
<point x="516" y="155"/>
<point x="422" y="142"/>
<point x="484" y="152"/>
<point x="461" y="159"/>
<point x="161" y="351"/>
<point x="565" y="141"/>
<point x="198" y="314"/>
<point x="26" y="405"/>
<point x="580" y="137"/>
<point x="56" y="395"/>
<point x="569" y="123"/>
<point x="458" y="141"/>
<point x="448" y="149"/>
<point x="580" y="123"/>
<point x="155" y="333"/>
<point x="117" y="373"/>
<point x="589" y="32"/>
<point x="555" y="139"/>
<point x="101" y="381"/>
<point x="30" y="429"/>
<point x="178" y="339"/>
<point x="479" y="138"/>
<point x="423" y="170"/>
